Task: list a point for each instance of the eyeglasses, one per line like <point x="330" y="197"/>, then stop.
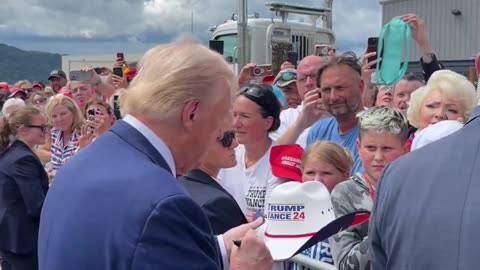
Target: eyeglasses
<point x="43" y="128"/>
<point x="227" y="139"/>
<point x="311" y="76"/>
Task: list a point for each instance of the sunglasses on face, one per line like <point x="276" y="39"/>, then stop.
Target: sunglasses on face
<point x="43" y="128"/>
<point x="227" y="139"/>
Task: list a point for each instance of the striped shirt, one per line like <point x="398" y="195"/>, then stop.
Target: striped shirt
<point x="61" y="153"/>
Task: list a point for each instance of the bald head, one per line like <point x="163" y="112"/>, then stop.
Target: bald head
<point x="306" y="74"/>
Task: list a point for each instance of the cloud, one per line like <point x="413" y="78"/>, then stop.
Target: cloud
<point x="354" y="22"/>
<point x="140" y="22"/>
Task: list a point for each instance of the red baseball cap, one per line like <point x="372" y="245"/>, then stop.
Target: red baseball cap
<point x="65" y="91"/>
<point x="268" y="79"/>
<point x="37" y="85"/>
<point x="286" y="161"/>
<point x="15" y="90"/>
<point x="130" y="72"/>
<point x="4" y="86"/>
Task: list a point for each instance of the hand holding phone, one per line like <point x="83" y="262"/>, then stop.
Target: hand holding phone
<point x="120" y="56"/>
<point x="118" y="71"/>
<point x="262" y="70"/>
<point x="81" y="75"/>
<point x="93" y="114"/>
<point x="324" y="50"/>
<point x="372" y="46"/>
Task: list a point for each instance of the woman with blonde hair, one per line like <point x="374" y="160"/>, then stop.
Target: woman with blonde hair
<point x="66" y="120"/>
<point x="447" y="96"/>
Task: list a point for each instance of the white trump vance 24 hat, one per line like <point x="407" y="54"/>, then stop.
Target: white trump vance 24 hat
<point x="298" y="216"/>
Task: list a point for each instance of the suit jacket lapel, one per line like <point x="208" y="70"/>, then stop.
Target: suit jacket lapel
<point x="137" y="140"/>
<point x="201" y="177"/>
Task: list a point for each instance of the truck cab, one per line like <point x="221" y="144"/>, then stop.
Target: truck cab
<point x="269" y="40"/>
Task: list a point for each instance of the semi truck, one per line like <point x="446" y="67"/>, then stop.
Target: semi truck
<point x="272" y="40"/>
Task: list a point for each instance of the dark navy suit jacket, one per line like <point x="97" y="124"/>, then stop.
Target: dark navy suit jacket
<point x="427" y="207"/>
<point x="220" y="207"/>
<point x="23" y="186"/>
<point x="116" y="205"/>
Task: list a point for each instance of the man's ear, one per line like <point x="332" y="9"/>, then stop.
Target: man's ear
<point x="361" y="84"/>
<point x="190" y="113"/>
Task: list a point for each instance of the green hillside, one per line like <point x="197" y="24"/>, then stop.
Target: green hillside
<point x="16" y="64"/>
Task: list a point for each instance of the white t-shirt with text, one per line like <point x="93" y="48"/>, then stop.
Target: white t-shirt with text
<point x="287" y="118"/>
<point x="249" y="186"/>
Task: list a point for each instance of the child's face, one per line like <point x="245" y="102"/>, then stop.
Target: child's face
<point x="376" y="150"/>
<point x="323" y="172"/>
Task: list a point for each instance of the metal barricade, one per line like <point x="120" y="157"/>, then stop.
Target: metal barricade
<point x="313" y="264"/>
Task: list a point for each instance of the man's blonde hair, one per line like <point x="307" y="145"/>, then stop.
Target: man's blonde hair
<point x="172" y="74"/>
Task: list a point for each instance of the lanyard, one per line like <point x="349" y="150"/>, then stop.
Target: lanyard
<point x="371" y="191"/>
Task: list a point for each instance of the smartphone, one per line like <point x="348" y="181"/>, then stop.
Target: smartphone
<point x="323" y="50"/>
<point x="116" y="108"/>
<point x="262" y="70"/>
<point x="118" y="71"/>
<point x="292" y="57"/>
<point x="92" y="113"/>
<point x="80" y="75"/>
<point x="372" y="46"/>
<point x="120" y="56"/>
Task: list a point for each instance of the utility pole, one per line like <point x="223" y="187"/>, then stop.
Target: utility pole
<point x="242" y="33"/>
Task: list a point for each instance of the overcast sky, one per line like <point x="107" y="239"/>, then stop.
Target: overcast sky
<point x="107" y="26"/>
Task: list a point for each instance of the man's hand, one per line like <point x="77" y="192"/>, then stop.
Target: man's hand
<point x="120" y="63"/>
<point x="94" y="77"/>
<point x="238" y="232"/>
<point x="246" y="74"/>
<point x="367" y="69"/>
<point x="253" y="254"/>
<point x="117" y="81"/>
<point x="313" y="109"/>
<point x="287" y="65"/>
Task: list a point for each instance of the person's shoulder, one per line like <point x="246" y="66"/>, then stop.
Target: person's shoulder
<point x="15" y="153"/>
<point x="348" y="187"/>
<point x="323" y="123"/>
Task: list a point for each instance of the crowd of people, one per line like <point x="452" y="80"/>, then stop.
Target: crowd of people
<point x="171" y="174"/>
